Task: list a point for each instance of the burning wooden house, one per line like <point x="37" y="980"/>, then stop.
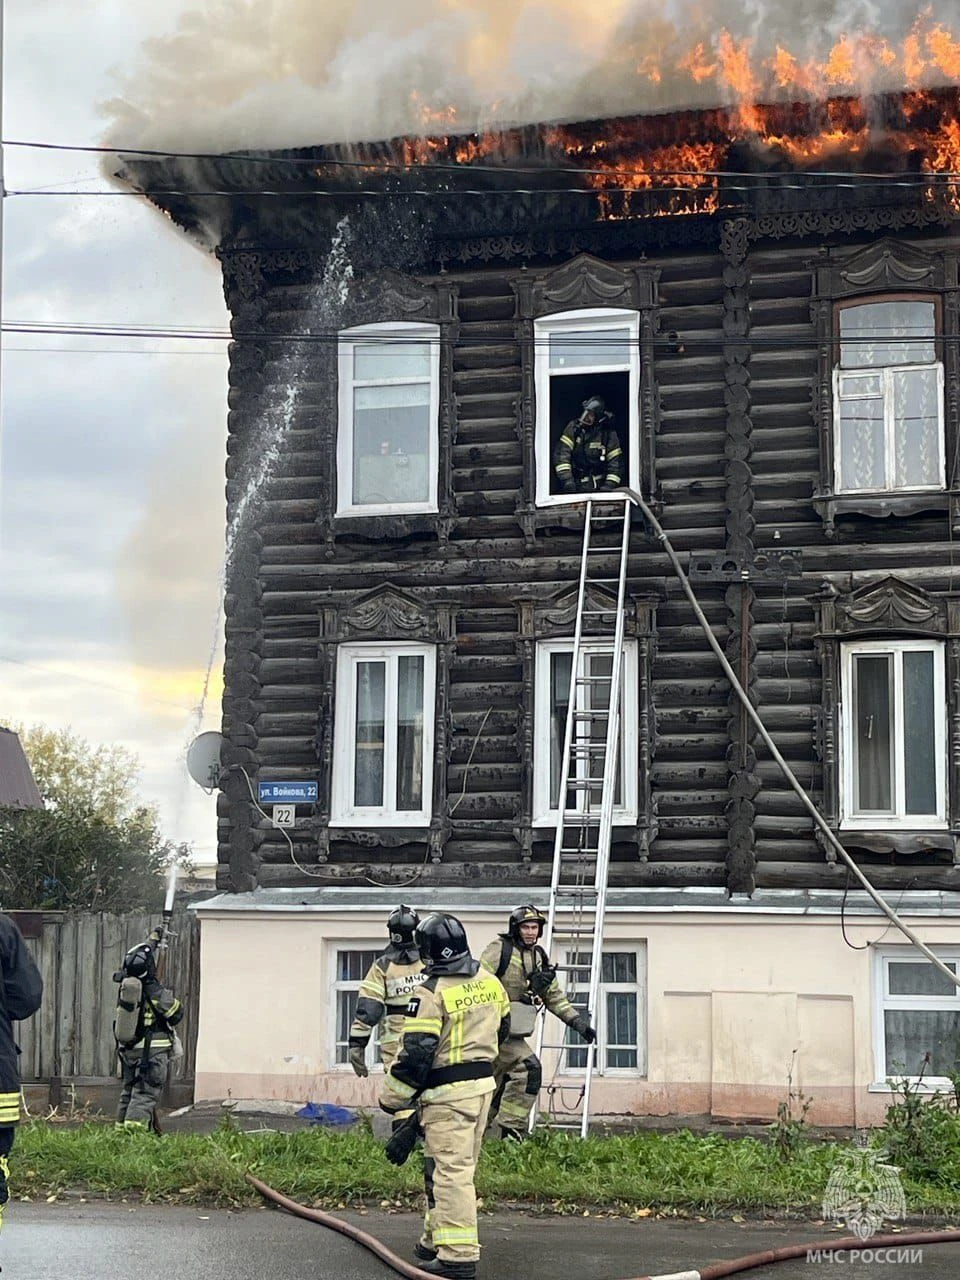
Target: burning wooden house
<point x="768" y="300"/>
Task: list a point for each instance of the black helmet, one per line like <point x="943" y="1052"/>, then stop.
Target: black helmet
<point x="443" y="944"/>
<point x="401" y="924"/>
<point x="528" y="914"/>
<point x="595" y="405"/>
<point x="139" y="962"/>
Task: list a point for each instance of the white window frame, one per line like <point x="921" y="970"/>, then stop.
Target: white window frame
<point x="337" y="985"/>
<point x="595" y="319"/>
<point x="883" y="1001"/>
<point x="343" y="811"/>
<point x="886" y="374"/>
<point x="626" y="813"/>
<point x="851" y="820"/>
<point x="402" y="331"/>
<point x="599" y="1015"/>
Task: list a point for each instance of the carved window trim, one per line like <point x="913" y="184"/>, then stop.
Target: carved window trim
<point x="399" y="331"/>
<point x="389" y="298"/>
<point x="543" y="814"/>
<point x="893" y="610"/>
<point x="584" y="283"/>
<point x="553" y="618"/>
<point x="884" y="271"/>
<point x="387" y="615"/>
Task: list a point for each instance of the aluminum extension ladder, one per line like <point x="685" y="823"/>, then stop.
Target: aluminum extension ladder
<point x="589" y="772"/>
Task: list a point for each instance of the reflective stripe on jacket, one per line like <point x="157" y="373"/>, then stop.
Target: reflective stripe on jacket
<point x="20" y="997"/>
<point x="385" y="992"/>
<point x="451" y="1037"/>
<point x="161" y="1011"/>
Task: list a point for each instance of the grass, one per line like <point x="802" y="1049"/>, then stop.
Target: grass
<point x="635" y="1173"/>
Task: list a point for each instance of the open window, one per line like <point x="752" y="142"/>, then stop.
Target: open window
<point x="388" y="434"/>
<point x="579" y="355"/>
<point x="894" y="733"/>
<point x="554" y="665"/>
<point x="888" y="396"/>
<point x="383" y="735"/>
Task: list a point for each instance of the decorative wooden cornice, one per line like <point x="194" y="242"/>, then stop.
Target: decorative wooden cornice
<point x="887" y="607"/>
<point x="887" y="265"/>
<point x="585" y="281"/>
<point x="386" y="614"/>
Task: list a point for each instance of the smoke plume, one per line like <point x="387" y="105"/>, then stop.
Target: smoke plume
<point x="287" y="73"/>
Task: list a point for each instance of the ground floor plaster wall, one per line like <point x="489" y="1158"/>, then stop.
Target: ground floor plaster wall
<point x="735" y="1008"/>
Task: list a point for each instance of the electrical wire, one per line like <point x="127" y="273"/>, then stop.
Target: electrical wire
<point x="429" y="165"/>
<point x="397" y="342"/>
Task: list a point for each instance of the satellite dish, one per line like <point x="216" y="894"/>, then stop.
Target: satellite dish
<point x="203" y="759"/>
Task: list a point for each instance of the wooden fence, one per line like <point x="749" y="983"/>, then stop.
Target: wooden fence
<point x="69" y="1044"/>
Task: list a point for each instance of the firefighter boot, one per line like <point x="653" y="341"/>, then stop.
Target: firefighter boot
<point x="452" y="1270"/>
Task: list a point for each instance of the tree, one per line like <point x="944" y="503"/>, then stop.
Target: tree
<point x="93" y="848"/>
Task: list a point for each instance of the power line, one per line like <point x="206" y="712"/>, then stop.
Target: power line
<point x="375" y="163"/>
<point x="761" y="182"/>
<point x="555" y="341"/>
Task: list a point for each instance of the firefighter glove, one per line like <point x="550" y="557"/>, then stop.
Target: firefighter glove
<point x="581" y="1024"/>
<point x="541" y="980"/>
<point x="358" y="1059"/>
<point x="402" y="1141"/>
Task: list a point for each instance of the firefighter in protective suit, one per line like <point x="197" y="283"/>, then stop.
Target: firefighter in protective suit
<point x="20" y="995"/>
<point x="455" y="1023"/>
<point x="145" y="1056"/>
<point x="588" y="456"/>
<point x="525" y="970"/>
<point x="386" y="990"/>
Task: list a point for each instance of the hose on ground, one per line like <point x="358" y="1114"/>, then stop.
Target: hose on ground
<point x="716" y="1270"/>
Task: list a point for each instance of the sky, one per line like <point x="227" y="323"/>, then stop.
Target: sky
<point x="111" y="465"/>
<point x="112" y="453"/>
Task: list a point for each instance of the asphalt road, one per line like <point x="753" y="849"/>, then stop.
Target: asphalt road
<point x="98" y="1241"/>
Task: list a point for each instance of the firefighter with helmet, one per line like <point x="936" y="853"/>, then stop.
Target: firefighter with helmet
<point x="524" y="968"/>
<point x="456" y="1021"/>
<point x="386" y="990"/>
<point x="147" y="1012"/>
<point x="588" y="456"/>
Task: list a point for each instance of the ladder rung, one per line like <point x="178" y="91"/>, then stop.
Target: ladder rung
<point x="575" y="890"/>
<point x="589" y="715"/>
<point x="580" y="854"/>
<point x="594" y="679"/>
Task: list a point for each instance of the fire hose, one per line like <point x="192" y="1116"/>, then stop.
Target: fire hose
<point x="715" y="1271"/>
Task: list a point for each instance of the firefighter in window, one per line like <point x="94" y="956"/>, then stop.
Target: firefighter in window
<point x="588" y="456"/>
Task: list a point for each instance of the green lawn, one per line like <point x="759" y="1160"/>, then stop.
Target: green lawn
<point x="637" y="1172"/>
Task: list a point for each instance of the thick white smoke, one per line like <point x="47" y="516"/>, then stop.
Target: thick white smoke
<point x="287" y="73"/>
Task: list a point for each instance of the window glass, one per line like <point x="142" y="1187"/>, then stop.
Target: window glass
<point x="598" y="666"/>
<point x="589" y="348"/>
<point x="370" y="734"/>
<point x="916" y="411"/>
<point x="872" y="703"/>
<point x="391" y="444"/>
<point x="410" y="732"/>
<point x="919" y="731"/>
<point x="919" y="978"/>
<point x="617" y="1022"/>
<point x="862" y="457"/>
<point x="351" y="969"/>
<point x="401" y="358"/>
<point x="897" y="332"/>
<point x="911" y="1034"/>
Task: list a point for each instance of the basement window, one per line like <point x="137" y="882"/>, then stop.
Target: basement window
<point x="917" y="1014"/>
<point x="351" y="968"/>
<point x="619" y="1019"/>
<point x="888" y="397"/>
<point x="383" y="735"/>
<point x="893" y="714"/>
<point x="552" y="692"/>
<point x="578" y="355"/>
<point x="387" y="438"/>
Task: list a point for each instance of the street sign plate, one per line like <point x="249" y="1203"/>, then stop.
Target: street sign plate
<point x="284" y="815"/>
<point x="287" y="792"/>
